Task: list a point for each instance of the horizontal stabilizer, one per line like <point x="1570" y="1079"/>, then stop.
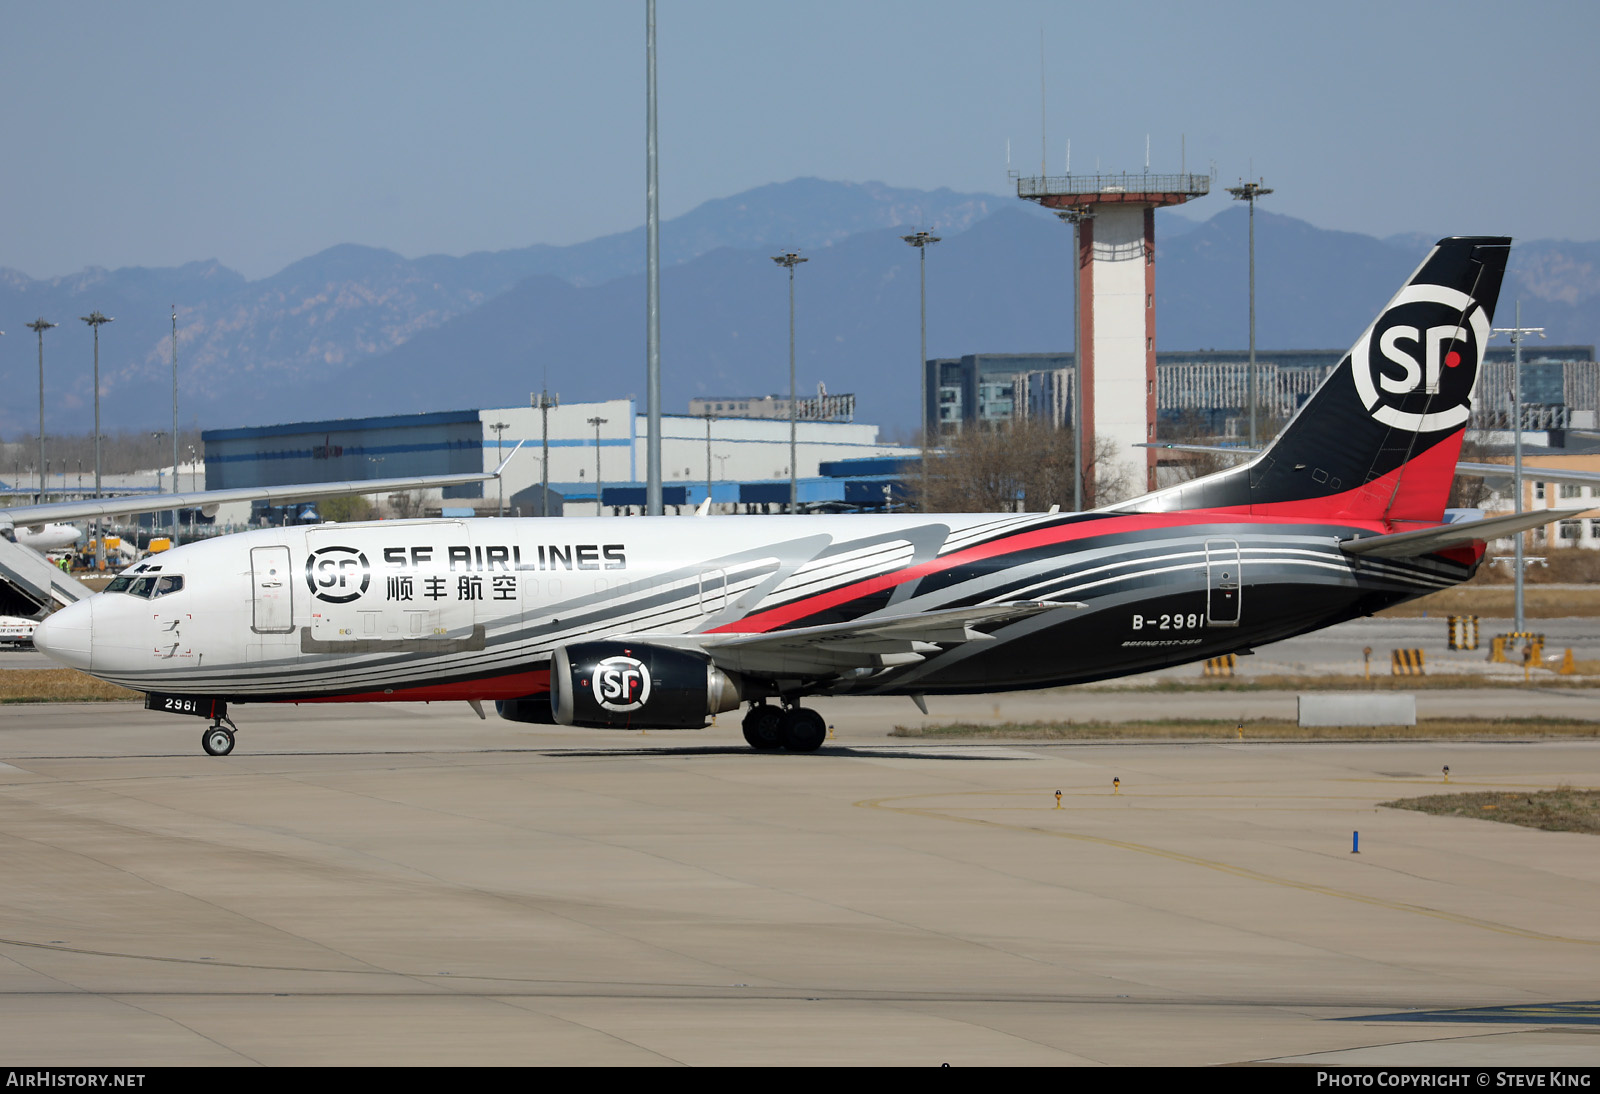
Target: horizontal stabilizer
<point x="1428" y="540"/>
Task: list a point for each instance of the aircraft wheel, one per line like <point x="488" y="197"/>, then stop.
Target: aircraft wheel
<point x="761" y="726"/>
<point x="217" y="741"/>
<point x="802" y="729"/>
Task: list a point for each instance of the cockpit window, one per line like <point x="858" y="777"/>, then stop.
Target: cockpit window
<point x="148" y="586"/>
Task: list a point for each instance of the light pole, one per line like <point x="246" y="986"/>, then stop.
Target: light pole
<point x="1250" y="191"/>
<point x="921" y="241"/>
<point x="789" y="260"/>
<point x="39" y="326"/>
<point x="194" y="468"/>
<point x="599" y="504"/>
<point x="708" y="416"/>
<point x="156" y="435"/>
<point x="543" y="402"/>
<point x="96" y="321"/>
<point x="174" y="416"/>
<point x="1517" y="333"/>
<point x="652" y="278"/>
<point x="499" y="444"/>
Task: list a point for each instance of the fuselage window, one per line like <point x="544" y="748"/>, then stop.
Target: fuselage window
<point x="171" y="583"/>
<point x="143" y="587"/>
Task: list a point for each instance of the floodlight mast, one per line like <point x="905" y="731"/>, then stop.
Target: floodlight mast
<point x="1250" y="191"/>
<point x="499" y="446"/>
<point x="599" y="503"/>
<point x="39" y="326"/>
<point x="543" y="402"/>
<point x="653" y="505"/>
<point x="1517" y="333"/>
<point x="921" y="241"/>
<point x="96" y="321"/>
<point x="789" y="260"/>
<point x="174" y="417"/>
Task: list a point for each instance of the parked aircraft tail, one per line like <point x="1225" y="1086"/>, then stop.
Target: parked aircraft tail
<point x="1380" y="438"/>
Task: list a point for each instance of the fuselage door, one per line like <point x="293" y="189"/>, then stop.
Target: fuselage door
<point x="273" y="590"/>
<point x="1223" y="583"/>
<point x="713" y="591"/>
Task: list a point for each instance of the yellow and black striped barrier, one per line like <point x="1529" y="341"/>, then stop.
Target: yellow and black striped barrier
<point x="1500" y="648"/>
<point x="1221" y="666"/>
<point x="1406" y="663"/>
<point x="1463" y="632"/>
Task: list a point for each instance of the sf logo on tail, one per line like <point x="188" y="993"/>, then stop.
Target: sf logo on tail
<point x="1430" y="340"/>
<point x="621" y="683"/>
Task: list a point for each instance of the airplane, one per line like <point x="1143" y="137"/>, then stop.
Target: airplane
<point x="48" y="537"/>
<point x="664" y="622"/>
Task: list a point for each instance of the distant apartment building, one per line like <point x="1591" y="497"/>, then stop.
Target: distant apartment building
<point x="1560" y="388"/>
<point x="821" y="407"/>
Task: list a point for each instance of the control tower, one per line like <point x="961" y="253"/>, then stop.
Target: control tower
<point x="1116" y="220"/>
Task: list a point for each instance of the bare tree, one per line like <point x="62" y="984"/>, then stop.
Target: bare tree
<point x="1175" y="467"/>
<point x="407" y="505"/>
<point x="1024" y="466"/>
<point x="1470" y="492"/>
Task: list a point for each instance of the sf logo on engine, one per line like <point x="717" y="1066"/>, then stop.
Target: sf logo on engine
<point x="621" y="683"/>
<point x="1415" y="368"/>
<point x="337" y="574"/>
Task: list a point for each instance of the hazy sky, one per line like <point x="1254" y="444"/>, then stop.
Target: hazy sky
<point x="158" y="133"/>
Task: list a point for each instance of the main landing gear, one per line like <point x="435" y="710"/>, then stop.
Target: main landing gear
<point x="795" y="728"/>
<point x="216" y="740"/>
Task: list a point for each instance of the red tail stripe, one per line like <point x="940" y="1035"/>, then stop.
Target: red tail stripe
<point x="1361" y="507"/>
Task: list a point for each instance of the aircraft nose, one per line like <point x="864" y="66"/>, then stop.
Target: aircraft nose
<point x="64" y="636"/>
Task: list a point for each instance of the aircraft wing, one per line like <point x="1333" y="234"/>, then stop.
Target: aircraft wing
<point x="1428" y="540"/>
<point x="1483" y="470"/>
<point x="1529" y="472"/>
<point x="872" y="642"/>
<point x="1225" y="449"/>
<point x="87" y="508"/>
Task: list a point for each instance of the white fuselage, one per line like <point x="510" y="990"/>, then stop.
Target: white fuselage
<point x="452" y="608"/>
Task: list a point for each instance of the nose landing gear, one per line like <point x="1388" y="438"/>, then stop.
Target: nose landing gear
<point x="216" y="740"/>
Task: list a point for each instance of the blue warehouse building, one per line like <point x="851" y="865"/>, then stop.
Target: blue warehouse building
<point x="444" y="443"/>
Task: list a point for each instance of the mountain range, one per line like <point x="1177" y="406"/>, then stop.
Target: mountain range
<point x="358" y="330"/>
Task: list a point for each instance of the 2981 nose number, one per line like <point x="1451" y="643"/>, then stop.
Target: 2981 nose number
<point x="1170" y="621"/>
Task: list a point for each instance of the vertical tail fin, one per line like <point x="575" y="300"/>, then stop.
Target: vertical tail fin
<point x="1380" y="438"/>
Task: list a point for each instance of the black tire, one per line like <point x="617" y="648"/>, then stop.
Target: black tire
<point x="802" y="729"/>
<point x="217" y="741"/>
<point x="761" y="727"/>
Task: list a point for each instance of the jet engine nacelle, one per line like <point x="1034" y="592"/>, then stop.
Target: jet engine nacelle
<point x="624" y="685"/>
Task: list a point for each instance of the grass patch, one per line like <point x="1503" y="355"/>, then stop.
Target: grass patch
<point x="1560" y="810"/>
<point x="58" y="686"/>
<point x="1254" y="729"/>
<point x="1498" y="601"/>
<point x="1385" y="682"/>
